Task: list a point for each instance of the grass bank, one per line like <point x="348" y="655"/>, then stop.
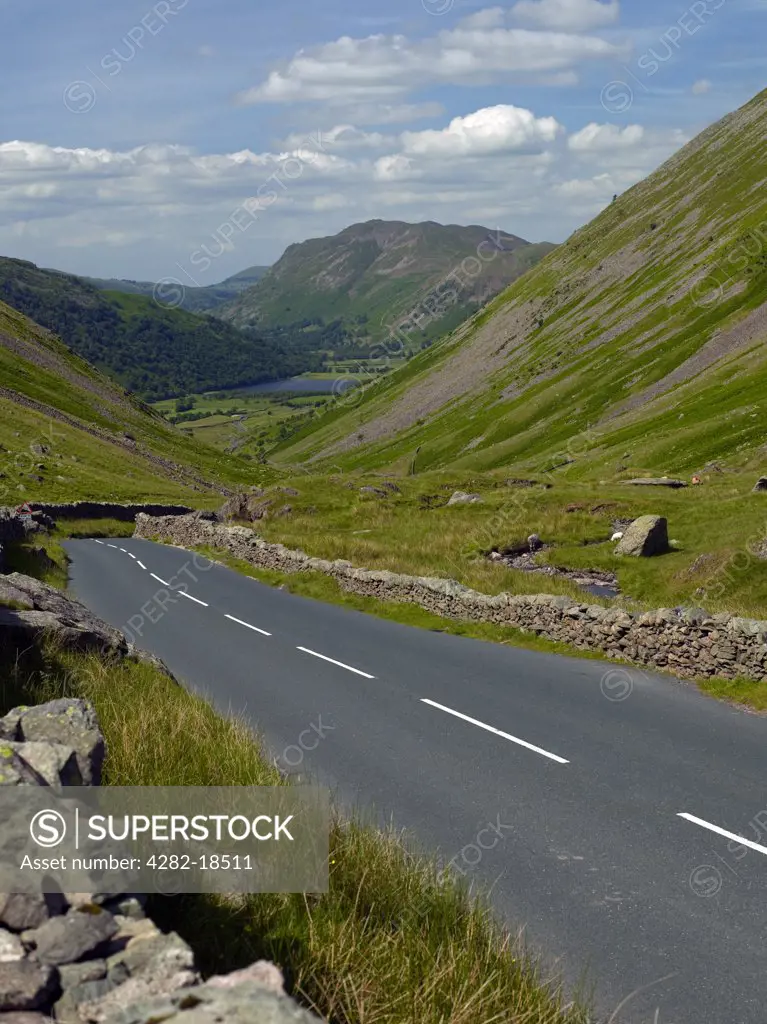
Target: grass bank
<point x="387" y="944"/>
<point x="719" y="560"/>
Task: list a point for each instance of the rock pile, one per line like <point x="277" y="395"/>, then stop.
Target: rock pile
<point x="688" y="643"/>
<point x="80" y="958"/>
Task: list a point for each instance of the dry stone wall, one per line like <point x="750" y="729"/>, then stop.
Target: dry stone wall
<point x="689" y="642"/>
<point x="81" y="958"/>
<point x="105" y="510"/>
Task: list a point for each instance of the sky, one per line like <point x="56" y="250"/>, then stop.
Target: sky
<point x="188" y="139"/>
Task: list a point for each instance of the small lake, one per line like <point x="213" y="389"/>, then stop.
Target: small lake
<point x="303" y="385"/>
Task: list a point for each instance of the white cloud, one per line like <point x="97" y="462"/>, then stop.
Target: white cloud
<point x="394" y="168"/>
<point x="141" y="212"/>
<point x="568" y="15"/>
<point x="481" y="49"/>
<point x="701" y="87"/>
<point x="600" y="138"/>
<point x="344" y="136"/>
<point x="491" y="130"/>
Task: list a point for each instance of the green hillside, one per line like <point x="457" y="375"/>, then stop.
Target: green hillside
<point x="194" y="300"/>
<point x="636" y="349"/>
<point x="378" y="274"/>
<point x="148" y="348"/>
<point x="67" y="432"/>
<point x="639" y="342"/>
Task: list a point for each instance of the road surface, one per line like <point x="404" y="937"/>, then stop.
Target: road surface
<point x="619" y="816"/>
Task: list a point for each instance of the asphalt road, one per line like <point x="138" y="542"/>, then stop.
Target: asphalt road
<point x="560" y="782"/>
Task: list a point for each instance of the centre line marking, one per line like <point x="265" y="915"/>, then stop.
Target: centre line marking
<point x="247" y="625"/>
<point x="101" y="542"/>
<point x="190" y="598"/>
<point x="131" y="556"/>
<point x="334" y="662"/>
<point x="497" y="732"/>
<point x="141" y="564"/>
<point x="159" y="580"/>
<point x="723" y="832"/>
<point x="123" y="551"/>
<point x="112" y="546"/>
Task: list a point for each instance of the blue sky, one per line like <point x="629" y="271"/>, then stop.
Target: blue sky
<point x="192" y="138"/>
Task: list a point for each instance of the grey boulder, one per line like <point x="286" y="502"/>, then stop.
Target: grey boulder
<point x="56" y="763"/>
<point x="70" y="722"/>
<point x="65" y="940"/>
<point x="25" y="985"/>
<point x="462" y="498"/>
<point x="246" y="1003"/>
<point x="663" y="481"/>
<point x="645" y="537"/>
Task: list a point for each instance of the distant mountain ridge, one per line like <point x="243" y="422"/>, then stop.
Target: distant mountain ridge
<point x="379" y="275"/>
<point x="194" y="300"/>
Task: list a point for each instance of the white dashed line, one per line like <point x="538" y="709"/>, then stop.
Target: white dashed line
<point x="112" y="546"/>
<point x="723" y="832"/>
<point x="247" y="625"/>
<point x="334" y="662"/>
<point x="101" y="542"/>
<point x="131" y="556"/>
<point x="123" y="551"/>
<point x="141" y="564"/>
<point x="497" y="732"/>
<point x="190" y="598"/>
<point x="159" y="579"/>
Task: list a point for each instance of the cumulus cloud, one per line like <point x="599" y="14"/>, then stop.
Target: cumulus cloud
<point x="491" y="130"/>
<point x="568" y="15"/>
<point x="145" y="211"/>
<point x="596" y="138"/>
<point x="480" y="49"/>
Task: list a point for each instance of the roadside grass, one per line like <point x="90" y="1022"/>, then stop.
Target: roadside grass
<point x="744" y="692"/>
<point x="390" y="943"/>
<point x="718" y="526"/>
<point x="73" y="529"/>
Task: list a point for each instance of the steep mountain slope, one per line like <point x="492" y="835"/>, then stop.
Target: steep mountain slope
<point x="194" y="300"/>
<point x="381" y="273"/>
<point x="68" y="432"/>
<point x="153" y="350"/>
<point x="639" y="342"/>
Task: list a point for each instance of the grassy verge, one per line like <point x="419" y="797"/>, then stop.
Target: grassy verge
<point x="719" y="560"/>
<point x="385" y="945"/>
